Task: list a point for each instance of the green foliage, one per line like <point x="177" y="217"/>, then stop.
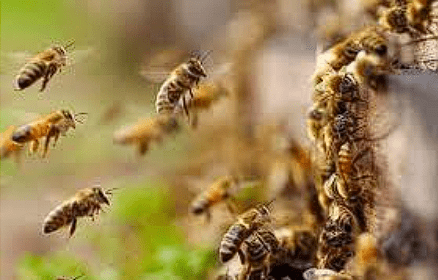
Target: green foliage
<point x="137" y="240"/>
<point x="33" y="267"/>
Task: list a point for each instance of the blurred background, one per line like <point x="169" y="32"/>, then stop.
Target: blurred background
<point x="263" y="54"/>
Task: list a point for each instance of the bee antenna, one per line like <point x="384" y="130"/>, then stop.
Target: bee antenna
<point x="110" y="191"/>
<point x="196" y="54"/>
<point x="79" y="114"/>
<point x="205" y="55"/>
<point x="69" y="44"/>
<point x="270" y="202"/>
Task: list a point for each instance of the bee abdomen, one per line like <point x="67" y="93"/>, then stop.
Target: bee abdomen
<point x="231" y="242"/>
<point x="58" y="218"/>
<point x="29" y="74"/>
<point x="22" y="134"/>
<point x="199" y="206"/>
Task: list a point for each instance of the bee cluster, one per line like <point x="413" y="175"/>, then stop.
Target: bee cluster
<point x="339" y="232"/>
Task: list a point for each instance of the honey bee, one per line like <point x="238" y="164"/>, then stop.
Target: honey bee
<point x="371" y="39"/>
<point x="9" y="147"/>
<point x="86" y="202"/>
<point x="204" y="96"/>
<point x="69" y="278"/>
<point x="49" y="126"/>
<point x="246" y="224"/>
<point x="217" y="192"/>
<point x="341" y="226"/>
<point x="337" y="237"/>
<point x="324" y="274"/>
<point x="413" y="17"/>
<point x="299" y="247"/>
<point x="146" y="131"/>
<point x="316" y="120"/>
<point x="367" y="254"/>
<point x="181" y="81"/>
<point x="258" y="249"/>
<point x="43" y="66"/>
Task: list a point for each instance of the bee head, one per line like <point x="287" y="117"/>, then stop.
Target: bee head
<point x="100" y="195"/>
<point x="194" y="65"/>
<point x="60" y="50"/>
<point x="69" y="117"/>
<point x="397" y="19"/>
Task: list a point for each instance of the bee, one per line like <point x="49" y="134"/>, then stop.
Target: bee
<point x="246" y="224"/>
<point x="49" y="126"/>
<point x="334" y="258"/>
<point x="146" y="131"/>
<point x="217" y="192"/>
<point x="69" y="278"/>
<point x="204" y="96"/>
<point x="299" y="247"/>
<point x="181" y="81"/>
<point x="413" y="17"/>
<point x="341" y="226"/>
<point x="324" y="274"/>
<point x="43" y="66"/>
<point x="316" y="120"/>
<point x="367" y="254"/>
<point x="86" y="202"/>
<point x="371" y="39"/>
<point x="259" y="247"/>
<point x="9" y="147"/>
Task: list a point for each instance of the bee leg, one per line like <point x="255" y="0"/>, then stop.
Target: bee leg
<point x="231" y="206"/>
<point x="73" y="227"/>
<point x="241" y="256"/>
<point x="194" y="122"/>
<point x="191" y="93"/>
<point x="51" y="70"/>
<point x="143" y="148"/>
<point x="186" y="110"/>
<point x="208" y="215"/>
<point x="56" y="137"/>
<point x="33" y="147"/>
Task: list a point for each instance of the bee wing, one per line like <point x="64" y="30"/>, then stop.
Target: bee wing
<point x="420" y="55"/>
<point x="11" y="62"/>
<point x="83" y="55"/>
<point x="157" y="67"/>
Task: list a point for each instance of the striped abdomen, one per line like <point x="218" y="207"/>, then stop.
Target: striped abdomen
<point x="231" y="241"/>
<point x="208" y="198"/>
<point x="29" y="132"/>
<point x="29" y="74"/>
<point x="169" y="96"/>
<point x="256" y="250"/>
<point x="269" y="239"/>
<point x="58" y="218"/>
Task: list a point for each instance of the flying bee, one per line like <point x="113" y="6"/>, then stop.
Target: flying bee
<point x="181" y="81"/>
<point x="246" y="224"/>
<point x="204" y="97"/>
<point x="371" y="39"/>
<point x="50" y="126"/>
<point x="258" y="249"/>
<point x="217" y="192"/>
<point x="9" y="147"/>
<point x="69" y="278"/>
<point x="146" y="131"/>
<point x="86" y="202"/>
<point x="43" y="66"/>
